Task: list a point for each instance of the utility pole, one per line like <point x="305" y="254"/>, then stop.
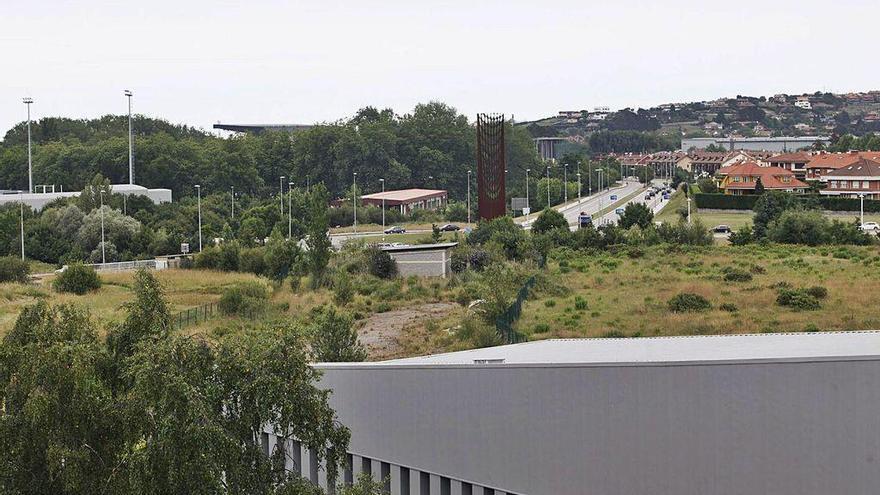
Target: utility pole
<point x="289" y="210"/>
<point x="383" y="204"/>
<point x="199" y="193"/>
<point x="579" y="187"/>
<point x="27" y="101"/>
<point x="565" y="182"/>
<point x="21" y="212"/>
<point x="281" y="194"/>
<point x="469" y="195"/>
<point x="128" y="93"/>
<point x="590" y="177"/>
<point x="548" y="187"/>
<point x="103" y="253"/>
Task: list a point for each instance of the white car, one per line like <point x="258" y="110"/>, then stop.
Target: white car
<point x="870" y="227"/>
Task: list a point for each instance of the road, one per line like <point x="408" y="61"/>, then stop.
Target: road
<point x="590" y="204"/>
<point x="656" y="204"/>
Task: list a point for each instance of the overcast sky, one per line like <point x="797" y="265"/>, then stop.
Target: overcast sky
<point x="263" y="61"/>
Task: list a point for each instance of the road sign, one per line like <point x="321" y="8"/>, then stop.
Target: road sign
<point x="518" y="203"/>
<point x="584" y="220"/>
<point x="184" y="247"/>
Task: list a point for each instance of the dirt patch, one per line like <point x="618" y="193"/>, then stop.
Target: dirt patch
<point x="381" y="332"/>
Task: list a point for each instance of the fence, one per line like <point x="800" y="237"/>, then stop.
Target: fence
<point x="124" y="265"/>
<point x="193" y="316"/>
<point x="504" y="322"/>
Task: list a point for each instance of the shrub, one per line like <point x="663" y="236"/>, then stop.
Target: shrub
<point x="687" y="302"/>
<point x="548" y="220"/>
<point x="228" y="256"/>
<point x="343" y="292"/>
<point x="208" y="259"/>
<point x="636" y="214"/>
<point x="817" y="291"/>
<point x="477" y="334"/>
<point x="380" y="264"/>
<point x="252" y="260"/>
<point x="742" y="236"/>
<point x="333" y="338"/>
<point x="580" y="303"/>
<point x="729" y="307"/>
<point x="246" y="299"/>
<point x="800" y="227"/>
<point x="13" y="269"/>
<point x="797" y="299"/>
<point x="732" y="274"/>
<point x="78" y="279"/>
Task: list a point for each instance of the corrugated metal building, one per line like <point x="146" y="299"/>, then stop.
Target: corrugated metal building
<point x="423" y="260"/>
<point x="780" y="414"/>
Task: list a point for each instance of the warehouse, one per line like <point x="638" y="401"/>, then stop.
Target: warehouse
<point x="716" y="415"/>
<point x="423" y="260"/>
<point x="407" y="200"/>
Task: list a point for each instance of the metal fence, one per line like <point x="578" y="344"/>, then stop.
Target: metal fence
<point x="504" y="323"/>
<point x="193" y="316"/>
<point x="124" y="265"/>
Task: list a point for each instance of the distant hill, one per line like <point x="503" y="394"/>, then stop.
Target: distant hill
<point x="779" y="115"/>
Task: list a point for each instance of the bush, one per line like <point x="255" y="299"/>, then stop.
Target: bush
<point x="380" y="264"/>
<point x="228" y="256"/>
<point x="13" y="269"/>
<point x="246" y="299"/>
<point x="343" y="292"/>
<point x="580" y="303"/>
<point x="78" y="279"/>
<point x="725" y="201"/>
<point x="742" y="236"/>
<point x="817" y="291"/>
<point x="797" y="299"/>
<point x="548" y="220"/>
<point x="729" y="307"/>
<point x="636" y="214"/>
<point x="333" y="338"/>
<point x="252" y="260"/>
<point x="799" y="227"/>
<point x="732" y="274"/>
<point x="687" y="302"/>
<point x="208" y="259"/>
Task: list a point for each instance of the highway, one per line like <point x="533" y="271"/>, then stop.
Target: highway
<point x="590" y="204"/>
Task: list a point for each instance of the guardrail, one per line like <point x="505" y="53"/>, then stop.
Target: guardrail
<point x="119" y="266"/>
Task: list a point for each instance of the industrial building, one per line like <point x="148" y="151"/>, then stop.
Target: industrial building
<point x="38" y="200"/>
<point x="424" y="260"/>
<point x="774" y="144"/>
<point x="787" y="414"/>
<point x="407" y="200"/>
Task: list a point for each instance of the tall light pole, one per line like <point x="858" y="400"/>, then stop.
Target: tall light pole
<point x="383" y="204"/>
<point x="281" y="194"/>
<point x="199" y="196"/>
<point x="528" y="171"/>
<point x="469" y="195"/>
<point x="27" y="101"/>
<point x="128" y="93"/>
<point x="354" y="200"/>
<point x="103" y="253"/>
<point x="289" y="210"/>
<point x="590" y="177"/>
<point x="599" y="173"/>
<point x="21" y="212"/>
<point x="233" y="202"/>
<point x="579" y="187"/>
<point x="565" y="182"/>
<point x="548" y="187"/>
<point x="862" y="209"/>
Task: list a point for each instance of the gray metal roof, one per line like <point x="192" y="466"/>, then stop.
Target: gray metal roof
<point x="419" y="247"/>
<point x="656" y="350"/>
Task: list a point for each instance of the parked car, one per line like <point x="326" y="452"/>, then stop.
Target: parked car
<point x="449" y="228"/>
<point x="721" y="229"/>
<point x="666" y="195"/>
<point x="395" y="230"/>
<point x="870" y="227"/>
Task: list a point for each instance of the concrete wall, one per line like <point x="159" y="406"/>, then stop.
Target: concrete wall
<point x="789" y="427"/>
<point x="423" y="263"/>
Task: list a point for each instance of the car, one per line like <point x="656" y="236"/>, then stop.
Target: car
<point x="395" y="230"/>
<point x="721" y="229"/>
<point x="449" y="228"/>
<point x="619" y="211"/>
<point x="870" y="227"/>
<point x="648" y="197"/>
<point x="613" y="197"/>
<point x="665" y="195"/>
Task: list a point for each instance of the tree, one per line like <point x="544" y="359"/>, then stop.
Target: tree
<point x="333" y="338"/>
<point x="548" y="220"/>
<point x="283" y="257"/>
<point x="636" y="214"/>
<point x="768" y="208"/>
<point x="147" y="317"/>
<point x="759" y="186"/>
<point x="90" y="197"/>
<point x="318" y="241"/>
<point x="707" y="185"/>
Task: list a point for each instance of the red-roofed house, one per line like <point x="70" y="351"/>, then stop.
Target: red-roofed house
<point x="795" y="162"/>
<point x="859" y="178"/>
<point x="741" y="178"/>
<point x="823" y="163"/>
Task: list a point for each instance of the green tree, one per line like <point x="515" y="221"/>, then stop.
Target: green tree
<point x="636" y="214"/>
<point x="759" y="186"/>
<point x="317" y="240"/>
<point x="333" y="338"/>
<point x="768" y="208"/>
<point x="548" y="220"/>
<point x="90" y="197"/>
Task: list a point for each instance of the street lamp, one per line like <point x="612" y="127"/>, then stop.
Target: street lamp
<point x="599" y="174"/>
<point x="689" y="209"/>
<point x="281" y="194"/>
<point x="862" y="209"/>
<point x="590" y="177"/>
<point x="548" y="187"/>
<point x="27" y="101"/>
<point x="383" y="204"/>
<point x="528" y="171"/>
<point x="129" y="94"/>
<point x="199" y="195"/>
<point x="103" y="253"/>
<point x="354" y="200"/>
<point x="289" y="210"/>
<point x="565" y="182"/>
<point x="579" y="187"/>
<point x="469" y="195"/>
<point x="21" y="212"/>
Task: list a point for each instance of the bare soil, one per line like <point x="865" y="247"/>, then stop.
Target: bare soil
<point x="382" y="333"/>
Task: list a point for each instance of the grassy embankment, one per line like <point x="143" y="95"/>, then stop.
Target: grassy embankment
<point x="623" y="296"/>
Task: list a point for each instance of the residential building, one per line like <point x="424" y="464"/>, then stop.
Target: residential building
<point x="664" y="163"/>
<point x="805" y="104"/>
<point x="407" y="200"/>
<point x="734" y="414"/>
<point x="823" y="163"/>
<point x="706" y="162"/>
<point x="742" y="178"/>
<point x="795" y="162"/>
<point x="860" y="178"/>
<point x="571" y="114"/>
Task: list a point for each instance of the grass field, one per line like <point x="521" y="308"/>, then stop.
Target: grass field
<point x="622" y="296"/>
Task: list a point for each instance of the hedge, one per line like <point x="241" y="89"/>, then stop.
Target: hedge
<point x="747" y="202"/>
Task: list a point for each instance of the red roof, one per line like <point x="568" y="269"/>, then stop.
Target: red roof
<point x="860" y="168"/>
<point x="771" y="177"/>
<point x="796" y="157"/>
<point x="840" y="160"/>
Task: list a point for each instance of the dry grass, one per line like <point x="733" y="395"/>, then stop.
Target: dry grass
<point x="628" y="296"/>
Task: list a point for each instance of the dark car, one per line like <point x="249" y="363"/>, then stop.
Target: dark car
<point x="449" y="228"/>
<point x="395" y="230"/>
<point x="721" y="229"/>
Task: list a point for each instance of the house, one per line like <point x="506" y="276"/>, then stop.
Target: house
<point x="571" y="114"/>
<point x="803" y="102"/>
<point x="742" y="178"/>
<point x="860" y="178"/>
<point x="706" y="162"/>
<point x="795" y="162"/>
<point x="823" y="163"/>
<point x="665" y="162"/>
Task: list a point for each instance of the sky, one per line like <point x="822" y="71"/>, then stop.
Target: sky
<point x="199" y="62"/>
